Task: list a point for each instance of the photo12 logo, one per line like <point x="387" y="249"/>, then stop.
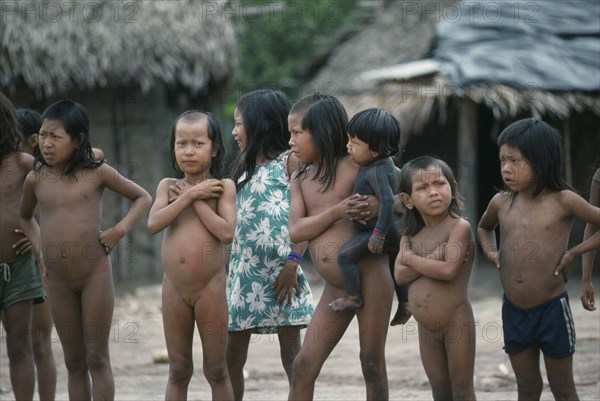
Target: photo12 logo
<point x="470" y="11"/>
<point x="69" y="11"/>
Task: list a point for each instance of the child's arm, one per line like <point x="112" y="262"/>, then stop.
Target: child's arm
<point x="587" y="289"/>
<point x="486" y="233"/>
<point x="380" y="183"/>
<point x="304" y="228"/>
<point x="402" y="273"/>
<point x="286" y="283"/>
<point x="581" y="210"/>
<point x="141" y="199"/>
<point x="220" y="223"/>
<point x="456" y="251"/>
<point x="167" y="207"/>
<point x="30" y="227"/>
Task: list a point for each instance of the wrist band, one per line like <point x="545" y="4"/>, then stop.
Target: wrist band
<point x="295" y="257"/>
<point x="379" y="233"/>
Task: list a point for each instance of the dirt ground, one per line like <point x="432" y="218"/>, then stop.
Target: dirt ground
<point x="137" y="338"/>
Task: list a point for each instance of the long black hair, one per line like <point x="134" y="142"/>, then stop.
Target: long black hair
<point x="540" y="144"/>
<point x="76" y="124"/>
<point x="327" y="121"/>
<point x="214" y="134"/>
<point x="413" y="222"/>
<point x="265" y="115"/>
<point x="10" y="136"/>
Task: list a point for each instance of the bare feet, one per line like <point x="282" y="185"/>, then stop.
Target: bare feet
<point x="349" y="302"/>
<point x="402" y="314"/>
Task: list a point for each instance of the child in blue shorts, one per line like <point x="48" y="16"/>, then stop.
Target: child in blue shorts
<point x="535" y="214"/>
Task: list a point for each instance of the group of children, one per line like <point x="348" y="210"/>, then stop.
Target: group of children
<point x="294" y="188"/>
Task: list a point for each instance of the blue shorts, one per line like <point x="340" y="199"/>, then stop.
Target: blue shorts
<point x="549" y="326"/>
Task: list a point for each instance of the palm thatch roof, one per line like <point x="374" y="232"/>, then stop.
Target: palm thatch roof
<point x="54" y="46"/>
<point x="389" y="65"/>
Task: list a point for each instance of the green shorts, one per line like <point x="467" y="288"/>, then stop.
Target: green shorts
<point x="20" y="280"/>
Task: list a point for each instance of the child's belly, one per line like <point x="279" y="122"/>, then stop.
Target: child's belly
<point x="190" y="266"/>
<point x="324" y="251"/>
<point x="434" y="304"/>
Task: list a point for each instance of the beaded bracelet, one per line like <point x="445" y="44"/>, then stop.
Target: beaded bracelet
<point x="379" y="233"/>
<point x="295" y="257"/>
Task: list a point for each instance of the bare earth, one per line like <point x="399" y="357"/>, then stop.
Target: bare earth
<point x="137" y="338"/>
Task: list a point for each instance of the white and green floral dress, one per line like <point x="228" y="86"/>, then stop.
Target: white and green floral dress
<point x="259" y="251"/>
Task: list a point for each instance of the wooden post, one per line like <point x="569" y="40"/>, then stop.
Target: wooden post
<point x="467" y="159"/>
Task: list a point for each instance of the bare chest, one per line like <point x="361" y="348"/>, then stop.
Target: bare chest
<point x="67" y="193"/>
<point x="533" y="219"/>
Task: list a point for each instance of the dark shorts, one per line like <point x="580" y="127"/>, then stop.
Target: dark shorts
<point x="549" y="326"/>
<point x="20" y="280"/>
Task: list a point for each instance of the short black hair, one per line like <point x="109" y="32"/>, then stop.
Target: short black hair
<point x="379" y="129"/>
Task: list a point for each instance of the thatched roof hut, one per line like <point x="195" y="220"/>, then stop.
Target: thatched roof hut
<point x="135" y="66"/>
<point x="53" y="46"/>
<point x="456" y="73"/>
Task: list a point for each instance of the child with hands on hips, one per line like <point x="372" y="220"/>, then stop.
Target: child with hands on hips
<point x="198" y="220"/>
<point x="436" y="259"/>
<point x="67" y="185"/>
<point x="373" y="137"/>
<point x="535" y="214"/>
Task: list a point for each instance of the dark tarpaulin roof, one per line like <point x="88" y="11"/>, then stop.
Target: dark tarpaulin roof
<point x="545" y="45"/>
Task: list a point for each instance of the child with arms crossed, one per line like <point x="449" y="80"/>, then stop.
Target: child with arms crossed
<point x="66" y="185"/>
<point x="320" y="196"/>
<point x="436" y="258"/>
<point x="535" y="215"/>
<point x="20" y="278"/>
<point x="268" y="292"/>
<point x="199" y="222"/>
<point x="373" y="137"/>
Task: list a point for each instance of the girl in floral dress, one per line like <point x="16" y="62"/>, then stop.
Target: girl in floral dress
<point x="268" y="292"/>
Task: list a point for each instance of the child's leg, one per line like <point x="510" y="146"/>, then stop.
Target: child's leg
<point x="373" y="323"/>
<point x="42" y="349"/>
<point x="237" y="354"/>
<point x="526" y="365"/>
<point x="98" y="301"/>
<point x="324" y="331"/>
<point x="178" y="323"/>
<point x="66" y="311"/>
<point x="17" y="323"/>
<point x="289" y="345"/>
<point x="460" y="350"/>
<point x="350" y="253"/>
<point x="403" y="311"/>
<point x="435" y="362"/>
<point x="560" y="377"/>
<point x="211" y="317"/>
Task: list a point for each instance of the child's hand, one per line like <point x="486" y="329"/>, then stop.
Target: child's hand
<point x="211" y="188"/>
<point x="23" y="245"/>
<point x="493" y="257"/>
<point x="587" y="298"/>
<point x="376" y="245"/>
<point x="564" y="266"/>
<point x="109" y="239"/>
<point x="286" y="283"/>
<point x="361" y="208"/>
